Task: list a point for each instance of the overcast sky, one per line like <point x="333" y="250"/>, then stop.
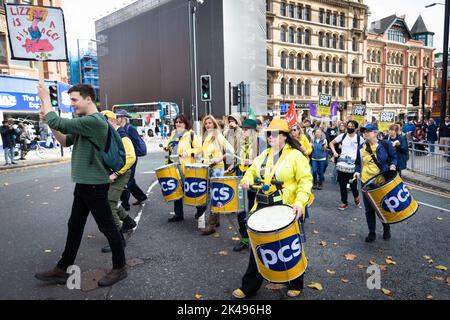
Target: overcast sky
<point x="80" y="15"/>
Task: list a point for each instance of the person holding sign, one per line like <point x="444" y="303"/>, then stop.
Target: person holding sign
<point x="345" y="165"/>
<point x="376" y="156"/>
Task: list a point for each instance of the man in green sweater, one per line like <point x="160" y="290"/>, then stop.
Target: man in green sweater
<point x="91" y="181"/>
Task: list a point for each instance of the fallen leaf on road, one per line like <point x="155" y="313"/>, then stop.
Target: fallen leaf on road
<point x="332" y="272"/>
<point x="387" y="292"/>
<point x="315" y="285"/>
<point x="361" y="266"/>
<point x="389" y="261"/>
<point x="275" y="286"/>
<point x="230" y="228"/>
<point x="216" y="235"/>
<point x="352" y="235"/>
<point x="198" y="296"/>
<point x="312" y="222"/>
<point x="430" y="261"/>
<point x="315" y="232"/>
<point x="223" y="253"/>
<point x="372" y="262"/>
<point x="90" y="236"/>
<point x="439" y="278"/>
<point x="350" y="257"/>
<point x="440" y="219"/>
<point x="44" y="203"/>
<point x="6" y="184"/>
<point x="345" y="280"/>
<point x="235" y="239"/>
<point x="343" y="239"/>
<point x="382" y="267"/>
<point x="48" y="251"/>
<point x="323" y="243"/>
<point x="441" y="267"/>
<point x="427" y="257"/>
<point x="448" y="281"/>
<point x="430" y="296"/>
<point x="57" y="188"/>
<point x="27" y="195"/>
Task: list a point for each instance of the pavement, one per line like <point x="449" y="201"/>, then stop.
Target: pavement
<point x="49" y="156"/>
<point x="173" y="262"/>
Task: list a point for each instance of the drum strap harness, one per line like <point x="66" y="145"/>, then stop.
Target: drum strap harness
<point x="375" y="160"/>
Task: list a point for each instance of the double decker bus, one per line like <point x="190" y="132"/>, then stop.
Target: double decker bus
<point x="150" y="118"/>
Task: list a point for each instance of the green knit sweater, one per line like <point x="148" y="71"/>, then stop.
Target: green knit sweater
<point x="77" y="132"/>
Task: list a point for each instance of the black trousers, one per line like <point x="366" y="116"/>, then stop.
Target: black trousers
<point x="94" y="199"/>
<point x="252" y="280"/>
<point x="371" y="216"/>
<point x="132" y="188"/>
<point x="242" y="216"/>
<point x="178" y="208"/>
<point x="343" y="179"/>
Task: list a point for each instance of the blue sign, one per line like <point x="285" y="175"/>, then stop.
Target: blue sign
<point x="283" y="108"/>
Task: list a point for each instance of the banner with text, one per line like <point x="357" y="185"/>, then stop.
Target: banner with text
<point x="387" y="118"/>
<point x="359" y="114"/>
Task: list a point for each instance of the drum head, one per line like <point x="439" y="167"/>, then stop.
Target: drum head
<point x="196" y="166"/>
<point x="166" y="167"/>
<point x="271" y="219"/>
<point x="380" y="180"/>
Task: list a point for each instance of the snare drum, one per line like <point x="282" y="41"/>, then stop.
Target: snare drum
<point x="390" y="197"/>
<point x="196" y="184"/>
<point x="169" y="178"/>
<point x="346" y="167"/>
<point x="227" y="196"/>
<point x="275" y="237"/>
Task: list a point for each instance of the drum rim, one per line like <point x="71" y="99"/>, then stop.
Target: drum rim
<point x="272" y="231"/>
<point x="167" y="166"/>
<point x="226" y="178"/>
<point x="196" y="165"/>
<point x="363" y="188"/>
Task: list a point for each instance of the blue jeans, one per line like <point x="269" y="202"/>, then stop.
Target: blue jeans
<point x="431" y="146"/>
<point x="318" y="167"/>
<point x="9" y="153"/>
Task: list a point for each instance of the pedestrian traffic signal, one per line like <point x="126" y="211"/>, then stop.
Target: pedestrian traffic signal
<point x="416" y="97"/>
<point x="206" y="87"/>
<point x="237" y="94"/>
<point x="53" y="89"/>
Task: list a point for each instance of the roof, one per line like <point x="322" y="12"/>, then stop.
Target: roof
<point x="420" y="27"/>
<point x="383" y="25"/>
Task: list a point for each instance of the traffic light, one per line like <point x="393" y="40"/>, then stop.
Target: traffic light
<point x="237" y="95"/>
<point x="416" y="97"/>
<point x="206" y="87"/>
<point x="53" y="89"/>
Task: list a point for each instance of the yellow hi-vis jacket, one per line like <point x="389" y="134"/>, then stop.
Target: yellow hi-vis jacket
<point x="306" y="144"/>
<point x="212" y="149"/>
<point x="294" y="171"/>
<point x="193" y="148"/>
<point x="130" y="155"/>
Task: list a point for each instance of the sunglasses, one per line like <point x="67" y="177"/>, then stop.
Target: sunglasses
<point x="273" y="135"/>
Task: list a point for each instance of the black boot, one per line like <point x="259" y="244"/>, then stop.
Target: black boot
<point x="176" y="219"/>
<point x="386" y="232"/>
<point x="128" y="224"/>
<point x="371" y="237"/>
<point x="241" y="246"/>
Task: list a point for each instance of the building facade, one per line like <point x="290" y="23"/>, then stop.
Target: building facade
<point x="398" y="60"/>
<point x="437" y="97"/>
<point x="315" y="47"/>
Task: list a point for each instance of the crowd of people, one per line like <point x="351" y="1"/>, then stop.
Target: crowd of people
<point x="278" y="165"/>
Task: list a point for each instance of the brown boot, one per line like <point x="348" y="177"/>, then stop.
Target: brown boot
<point x="55" y="275"/>
<point x="114" y="276"/>
<point x="209" y="230"/>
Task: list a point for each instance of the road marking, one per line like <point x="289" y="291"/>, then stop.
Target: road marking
<point x="436" y="193"/>
<point x="431" y="206"/>
<point x="149" y="172"/>
<point x="139" y="215"/>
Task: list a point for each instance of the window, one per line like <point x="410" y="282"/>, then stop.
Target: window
<point x="299" y="87"/>
<point x="341" y="65"/>
<point x="291" y="61"/>
<point x="283" y="87"/>
<point x="283" y="9"/>
<point x="368" y="75"/>
<point x="379" y="57"/>
<point x="327" y="64"/>
<point x="307" y="13"/>
<point x="334" y="19"/>
<point x="321" y="15"/>
<point x="341" y="89"/>
<point x="368" y="55"/>
<point x="378" y="75"/>
<point x="291" y="10"/>
<point x="355" y="67"/>
<point x="321" y="39"/>
<point x="291" y="35"/>
<point x="3" y="56"/>
<point x="327" y="88"/>
<point x="374" y="56"/>
<point x="307" y="88"/>
<point x="307" y="37"/>
<point x="334" y="41"/>
<point x="355" y="44"/>
<point x="341" y="43"/>
<point x="355" y="91"/>
<point x="268" y="37"/>
<point x="307" y="62"/>
<point x="283" y="34"/>
<point x="291" y="87"/>
<point x="327" y="40"/>
<point x="342" y="20"/>
<point x="355" y="22"/>
<point x="299" y="12"/>
<point x="334" y="65"/>
<point x="299" y="36"/>
<point x="328" y="17"/>
<point x="268" y="87"/>
<point x="333" y="89"/>
<point x="319" y="87"/>
<point x="283" y="60"/>
<point x="299" y="62"/>
<point x="320" y="64"/>
<point x="269" y="59"/>
<point x="372" y="76"/>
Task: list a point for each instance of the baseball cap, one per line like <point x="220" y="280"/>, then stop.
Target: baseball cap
<point x="369" y="128"/>
<point x="122" y="114"/>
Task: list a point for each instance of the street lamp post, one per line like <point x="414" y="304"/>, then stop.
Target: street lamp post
<point x="445" y="57"/>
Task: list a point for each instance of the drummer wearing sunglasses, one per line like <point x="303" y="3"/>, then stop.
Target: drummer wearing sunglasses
<point x="282" y="162"/>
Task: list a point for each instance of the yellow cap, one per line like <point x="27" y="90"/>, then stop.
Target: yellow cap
<point x="109" y="114"/>
<point x="278" y="125"/>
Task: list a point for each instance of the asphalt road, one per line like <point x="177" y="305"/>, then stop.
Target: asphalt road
<point x="172" y="261"/>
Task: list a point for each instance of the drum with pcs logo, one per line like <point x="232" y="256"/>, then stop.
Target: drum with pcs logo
<point x="169" y="178"/>
<point x="227" y="196"/>
<point x="196" y="178"/>
<point x="275" y="238"/>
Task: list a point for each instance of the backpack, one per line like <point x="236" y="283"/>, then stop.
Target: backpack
<point x="113" y="155"/>
<point x="139" y="145"/>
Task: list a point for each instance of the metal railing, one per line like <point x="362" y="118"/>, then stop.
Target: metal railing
<point x="429" y="159"/>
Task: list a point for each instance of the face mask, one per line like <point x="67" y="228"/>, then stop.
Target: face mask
<point x="351" y="130"/>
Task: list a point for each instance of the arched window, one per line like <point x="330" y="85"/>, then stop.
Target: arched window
<point x="299" y="62"/>
<point x="373" y="56"/>
<point x="291" y="10"/>
<point x="299" y="36"/>
<point x="379" y="57"/>
<point x="327" y="40"/>
<point x="307" y="88"/>
<point x="268" y="31"/>
<point x="368" y="75"/>
<point x="283" y="9"/>
<point x="341" y="89"/>
<point x="368" y="55"/>
<point x="354" y="67"/>
<point x="341" y="65"/>
<point x="307" y="62"/>
<point x="283" y="87"/>
<point x="291" y="35"/>
<point x="355" y="44"/>
<point x="397" y="59"/>
<point x="327" y="64"/>
<point x="307" y="37"/>
<point x="342" y="20"/>
<point x="283" y="33"/>
<point x="269" y="58"/>
<point x="327" y="88"/>
<point x="291" y="61"/>
<point x="372" y="75"/>
<point x="333" y="68"/>
<point x="335" y="41"/>
<point x="320" y="39"/>
<point x="333" y="89"/>
<point x="291" y="87"/>
<point x="268" y="87"/>
<point x="341" y="43"/>
<point x="320" y="64"/>
<point x="378" y="75"/>
<point x="299" y="88"/>
<point x="283" y="60"/>
<point x="299" y="11"/>
<point x="319" y="87"/>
